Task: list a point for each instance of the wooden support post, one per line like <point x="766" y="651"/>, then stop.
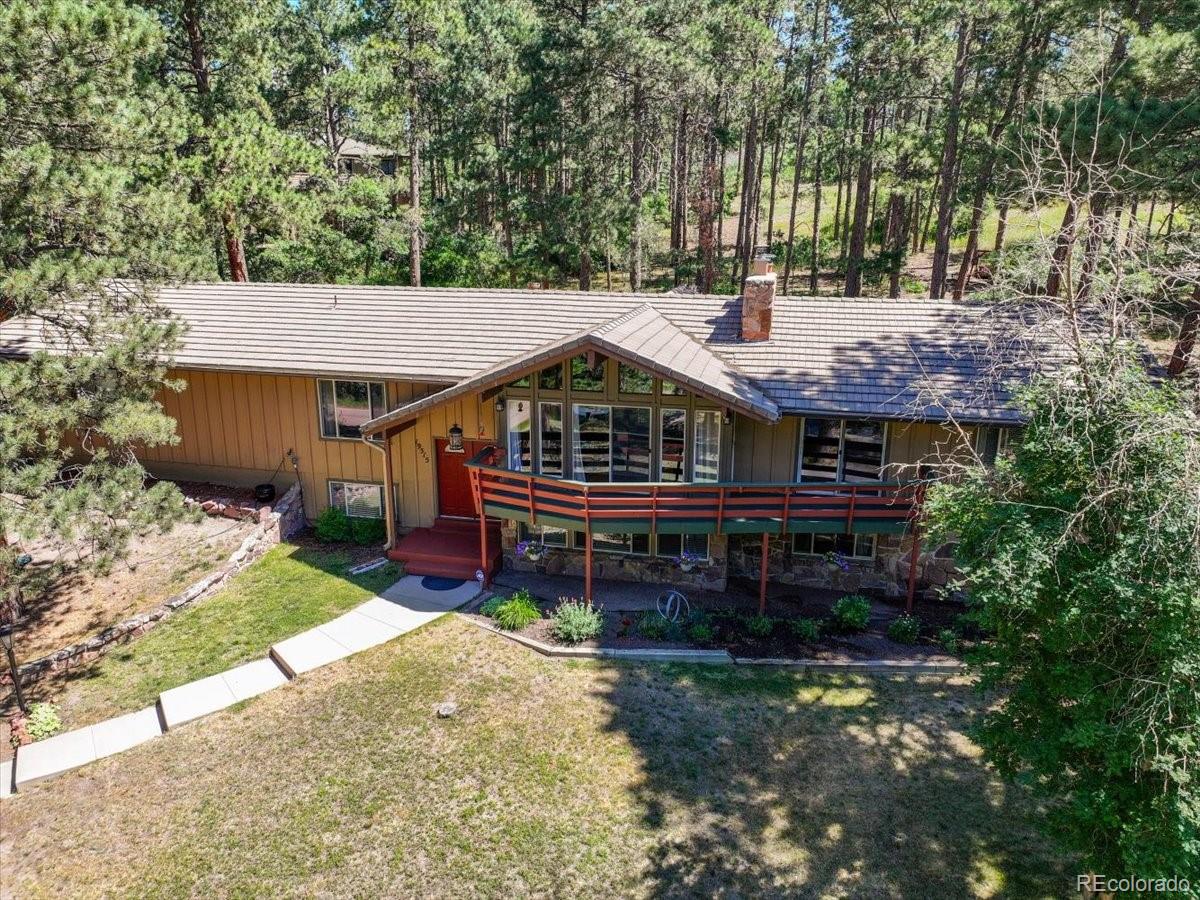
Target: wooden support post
<point x="762" y="574"/>
<point x="587" y="568"/>
<point x="919" y="501"/>
<point x="483" y="549"/>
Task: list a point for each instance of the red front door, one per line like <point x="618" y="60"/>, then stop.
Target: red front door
<point x="454" y="479"/>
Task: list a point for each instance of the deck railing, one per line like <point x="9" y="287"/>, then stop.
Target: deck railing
<point x="702" y="508"/>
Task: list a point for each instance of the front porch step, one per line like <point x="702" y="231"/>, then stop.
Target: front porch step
<point x="449" y="549"/>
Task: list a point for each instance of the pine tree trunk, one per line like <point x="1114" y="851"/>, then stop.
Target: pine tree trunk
<point x="945" y="215"/>
<point x="635" y="183"/>
<point x="1186" y="343"/>
<point x="744" y="226"/>
<point x="1001" y="227"/>
<point x="414" y="168"/>
<point x="862" y="201"/>
<point x="774" y="178"/>
<point x="1061" y="258"/>
<point x="705" y="211"/>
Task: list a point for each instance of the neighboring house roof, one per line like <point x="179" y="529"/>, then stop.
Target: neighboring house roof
<point x="356" y="148"/>
<point x="878" y="358"/>
<point x="642" y="336"/>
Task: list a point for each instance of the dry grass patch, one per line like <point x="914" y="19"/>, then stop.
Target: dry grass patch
<point x="554" y="779"/>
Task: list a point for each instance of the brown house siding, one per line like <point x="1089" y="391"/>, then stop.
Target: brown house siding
<point x="234" y="428"/>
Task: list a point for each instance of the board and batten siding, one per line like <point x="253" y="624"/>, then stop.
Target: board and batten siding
<point x="235" y="428"/>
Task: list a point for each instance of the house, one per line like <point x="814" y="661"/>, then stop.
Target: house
<point x="764" y="435"/>
<point x="355" y="157"/>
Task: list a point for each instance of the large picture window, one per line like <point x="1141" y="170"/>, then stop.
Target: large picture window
<point x="520" y="448"/>
<point x="631" y="443"/>
<point x="361" y="501"/>
<point x="590" y="431"/>
<point x="672" y="441"/>
<point x="706" y="459"/>
<point x="611" y="443"/>
<point x="550" y="433"/>
<point x="348" y="405"/>
<point x="841" y="450"/>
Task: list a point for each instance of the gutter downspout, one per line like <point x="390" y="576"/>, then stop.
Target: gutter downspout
<point x="389" y="510"/>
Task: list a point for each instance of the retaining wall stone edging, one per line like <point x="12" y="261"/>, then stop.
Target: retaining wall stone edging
<point x="724" y="657"/>
<point x="279" y="523"/>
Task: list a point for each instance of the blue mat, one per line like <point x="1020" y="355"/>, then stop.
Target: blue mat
<point x="438" y="583"/>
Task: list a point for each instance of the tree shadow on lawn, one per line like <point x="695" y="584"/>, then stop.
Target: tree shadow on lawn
<point x="769" y="782"/>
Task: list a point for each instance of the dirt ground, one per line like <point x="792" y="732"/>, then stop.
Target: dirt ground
<point x="80" y="604"/>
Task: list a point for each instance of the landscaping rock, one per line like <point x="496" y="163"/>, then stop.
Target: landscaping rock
<point x="447" y="710"/>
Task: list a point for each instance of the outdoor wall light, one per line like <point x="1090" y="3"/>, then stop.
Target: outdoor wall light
<point x="726" y="417"/>
<point x="456" y="438"/>
<point x="499" y="404"/>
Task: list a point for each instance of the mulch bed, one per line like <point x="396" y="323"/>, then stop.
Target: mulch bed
<point x="727" y="615"/>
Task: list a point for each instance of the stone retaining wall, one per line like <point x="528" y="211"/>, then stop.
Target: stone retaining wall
<point x="275" y="523"/>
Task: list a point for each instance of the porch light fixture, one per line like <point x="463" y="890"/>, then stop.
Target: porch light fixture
<point x="499" y="404"/>
<point x="726" y="416"/>
<point x="456" y="438"/>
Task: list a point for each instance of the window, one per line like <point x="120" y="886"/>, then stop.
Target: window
<point x="615" y="543"/>
<point x="521" y="383"/>
<point x="590" y="428"/>
<point x="547" y="535"/>
<point x="632" y="380"/>
<point x="672" y="441"/>
<point x="347" y="405"/>
<point x="387" y="165"/>
<point x="675" y="544"/>
<point x="520" y="450"/>
<point x="990" y="441"/>
<point x="706" y="460"/>
<point x="589" y="379"/>
<point x="671" y="389"/>
<point x="362" y="501"/>
<point x="551" y="379"/>
<point x="550" y="444"/>
<point x="840" y="450"/>
<point x="855" y="546"/>
<point x="630" y="443"/>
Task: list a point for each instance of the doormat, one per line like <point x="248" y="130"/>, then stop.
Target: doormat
<point x="438" y="583"/>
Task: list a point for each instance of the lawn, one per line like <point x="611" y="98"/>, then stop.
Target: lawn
<point x="554" y="779"/>
<point x="290" y="589"/>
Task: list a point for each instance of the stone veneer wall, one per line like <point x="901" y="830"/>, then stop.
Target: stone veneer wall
<point x="620" y="566"/>
<point x="738" y="555"/>
<point x="887" y="573"/>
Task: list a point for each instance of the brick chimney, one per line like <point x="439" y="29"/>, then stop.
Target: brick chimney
<point x="758" y="296"/>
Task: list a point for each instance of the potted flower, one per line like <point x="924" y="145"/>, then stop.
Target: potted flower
<point x="687" y="561"/>
<point x="530" y="550"/>
<point x="836" y="562"/>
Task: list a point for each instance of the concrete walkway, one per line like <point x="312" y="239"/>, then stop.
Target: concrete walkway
<point x="406" y="605"/>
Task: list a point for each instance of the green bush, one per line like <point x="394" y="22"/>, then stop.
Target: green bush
<point x="368" y="531"/>
<point x="851" y="614"/>
<point x="905" y="629"/>
<point x="702" y="633"/>
<point x="760" y="626"/>
<point x="43" y="721"/>
<point x="807" y="630"/>
<point x="948" y="638"/>
<point x="333" y="526"/>
<point x="653" y="627"/>
<point x="517" y="612"/>
<point x="489" y="606"/>
<point x="575" y="621"/>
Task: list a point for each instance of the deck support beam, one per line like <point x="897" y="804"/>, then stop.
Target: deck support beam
<point x="762" y="574"/>
<point x="587" y="568"/>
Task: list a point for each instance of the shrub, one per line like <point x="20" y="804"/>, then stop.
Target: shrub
<point x="851" y="614"/>
<point x="653" y="627"/>
<point x="517" y="612"/>
<point x="905" y="629"/>
<point x="702" y="633"/>
<point x="43" y="721"/>
<point x="368" y="531"/>
<point x="489" y="606"/>
<point x="807" y="630"/>
<point x="575" y="621"/>
<point x="948" y="638"/>
<point x="333" y="526"/>
<point x="759" y="626"/>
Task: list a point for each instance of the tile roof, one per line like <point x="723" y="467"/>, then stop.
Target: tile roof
<point x="642" y="336"/>
<point x="908" y="359"/>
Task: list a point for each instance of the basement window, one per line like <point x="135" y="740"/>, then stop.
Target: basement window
<point x="348" y="405"/>
<point x="852" y="546"/>
<point x="357" y="500"/>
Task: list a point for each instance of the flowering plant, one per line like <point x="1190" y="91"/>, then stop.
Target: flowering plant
<point x="531" y="550"/>
<point x="837" y="560"/>
<point x="687" y="560"/>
